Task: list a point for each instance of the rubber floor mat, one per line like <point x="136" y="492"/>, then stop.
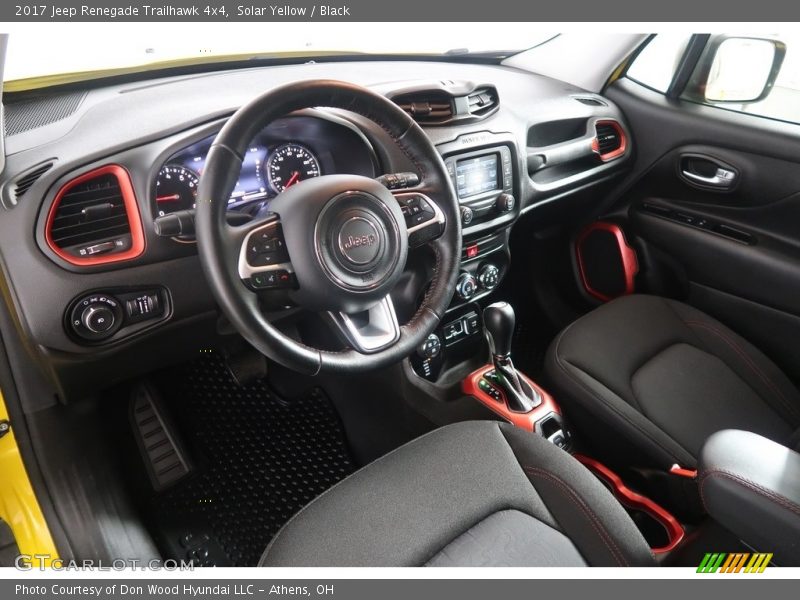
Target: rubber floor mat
<point x="258" y="461"/>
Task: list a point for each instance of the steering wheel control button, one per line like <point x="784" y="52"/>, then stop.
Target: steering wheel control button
<point x="266" y="248"/>
<point x="271" y="280"/>
<point x="359" y="241"/>
<point x="416" y="210"/>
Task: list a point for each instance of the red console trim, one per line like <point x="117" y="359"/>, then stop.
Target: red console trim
<point x="131" y="210"/>
<point x="636" y="501"/>
<point x="630" y="264"/>
<point x="525" y="421"/>
<point x="623" y="141"/>
<point x="681" y="472"/>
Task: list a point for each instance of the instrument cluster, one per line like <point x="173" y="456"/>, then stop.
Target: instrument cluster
<point x="289" y="151"/>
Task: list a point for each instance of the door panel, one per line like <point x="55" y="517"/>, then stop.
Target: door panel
<point x="733" y="248"/>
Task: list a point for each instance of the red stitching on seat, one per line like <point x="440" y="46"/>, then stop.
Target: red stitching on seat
<point x="749" y="362"/>
<point x="570" y="493"/>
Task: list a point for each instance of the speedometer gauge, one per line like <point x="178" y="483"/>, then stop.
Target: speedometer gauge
<point x="289" y="164"/>
<point x="176" y="189"/>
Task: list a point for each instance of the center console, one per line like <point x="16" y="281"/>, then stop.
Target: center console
<point x="497" y="386"/>
<point x="484" y="173"/>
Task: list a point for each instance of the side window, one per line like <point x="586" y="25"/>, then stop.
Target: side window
<point x="656" y="64"/>
<point x="757" y="75"/>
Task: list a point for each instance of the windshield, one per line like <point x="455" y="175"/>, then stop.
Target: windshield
<point x="85" y="51"/>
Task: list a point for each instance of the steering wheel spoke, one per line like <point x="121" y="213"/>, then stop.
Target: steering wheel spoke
<point x="263" y="260"/>
<point x="371" y="330"/>
<point x="424" y="219"/>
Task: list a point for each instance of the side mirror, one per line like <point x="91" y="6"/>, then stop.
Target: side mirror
<point x="736" y="70"/>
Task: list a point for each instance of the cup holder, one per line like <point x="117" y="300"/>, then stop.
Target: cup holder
<point x="662" y="531"/>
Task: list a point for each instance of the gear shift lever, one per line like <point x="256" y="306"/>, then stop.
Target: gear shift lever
<point x="498" y="320"/>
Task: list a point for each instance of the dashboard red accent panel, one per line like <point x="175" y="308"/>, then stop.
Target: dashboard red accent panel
<point x="623" y="141"/>
<point x="630" y="264"/>
<point x="131" y="210"/>
<point x="631" y="499"/>
<point x="525" y="421"/>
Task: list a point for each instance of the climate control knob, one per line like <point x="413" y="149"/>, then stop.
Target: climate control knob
<point x="505" y="203"/>
<point x="466" y="286"/>
<point x="489" y="276"/>
<point x="98" y="318"/>
<point x="431" y="347"/>
<point x="466" y="215"/>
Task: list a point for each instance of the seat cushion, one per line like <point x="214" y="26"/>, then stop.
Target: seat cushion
<point x="665" y="376"/>
<point x="475" y="493"/>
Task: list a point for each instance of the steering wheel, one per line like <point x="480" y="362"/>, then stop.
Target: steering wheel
<point x="339" y="242"/>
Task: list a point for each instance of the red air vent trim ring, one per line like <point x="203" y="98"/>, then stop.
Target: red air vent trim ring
<point x="623" y="141"/>
<point x="131" y="210"/>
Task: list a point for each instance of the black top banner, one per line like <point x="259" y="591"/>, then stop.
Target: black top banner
<point x="715" y="11"/>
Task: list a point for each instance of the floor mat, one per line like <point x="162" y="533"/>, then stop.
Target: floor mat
<point x="258" y="460"/>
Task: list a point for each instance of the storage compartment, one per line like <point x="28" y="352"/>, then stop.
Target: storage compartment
<point x="556" y="132"/>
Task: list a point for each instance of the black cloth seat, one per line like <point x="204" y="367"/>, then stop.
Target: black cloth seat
<point x="659" y="377"/>
<point x="479" y="493"/>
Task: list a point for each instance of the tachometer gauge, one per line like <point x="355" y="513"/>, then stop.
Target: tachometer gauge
<point x="289" y="164"/>
<point x="176" y="189"/>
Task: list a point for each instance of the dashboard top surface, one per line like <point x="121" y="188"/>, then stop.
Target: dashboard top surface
<point x="163" y="106"/>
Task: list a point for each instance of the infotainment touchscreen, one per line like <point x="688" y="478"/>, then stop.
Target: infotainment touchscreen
<point x="477" y="175"/>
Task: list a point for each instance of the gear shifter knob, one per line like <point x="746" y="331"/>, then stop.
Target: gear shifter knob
<point x="498" y="319"/>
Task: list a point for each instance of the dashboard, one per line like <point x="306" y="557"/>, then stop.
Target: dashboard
<point x="136" y="151"/>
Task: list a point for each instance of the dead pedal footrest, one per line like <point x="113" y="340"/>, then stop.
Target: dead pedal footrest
<point x="164" y="458"/>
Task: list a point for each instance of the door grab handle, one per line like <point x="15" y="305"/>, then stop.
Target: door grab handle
<point x="723" y="178"/>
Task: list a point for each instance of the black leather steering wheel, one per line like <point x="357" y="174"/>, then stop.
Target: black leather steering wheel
<point x="341" y="241"/>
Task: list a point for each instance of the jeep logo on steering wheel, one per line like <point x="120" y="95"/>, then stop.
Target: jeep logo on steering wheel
<point x="362" y="240"/>
<point x="359" y="241"/>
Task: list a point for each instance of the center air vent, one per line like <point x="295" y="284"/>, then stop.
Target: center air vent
<point x="590" y="100"/>
<point x="458" y="102"/>
<point x="610" y="141"/>
<point x="94" y="219"/>
<point x="483" y="102"/>
<point x="427" y="108"/>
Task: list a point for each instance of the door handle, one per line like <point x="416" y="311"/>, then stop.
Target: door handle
<point x="704" y="171"/>
<point x="723" y="178"/>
